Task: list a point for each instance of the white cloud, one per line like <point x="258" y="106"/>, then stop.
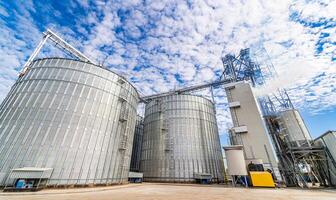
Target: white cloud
<point x="173" y="37"/>
<point x="3" y="12"/>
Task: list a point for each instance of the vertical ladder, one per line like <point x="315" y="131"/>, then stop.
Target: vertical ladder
<point x="123" y="117"/>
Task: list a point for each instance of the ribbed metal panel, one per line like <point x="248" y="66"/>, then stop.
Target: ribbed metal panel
<point x="74" y="117"/>
<point x="137" y="144"/>
<point x="180" y="140"/>
<point x="292" y="124"/>
<point x="329" y="141"/>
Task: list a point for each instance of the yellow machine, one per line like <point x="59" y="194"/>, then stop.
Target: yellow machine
<point x="261" y="179"/>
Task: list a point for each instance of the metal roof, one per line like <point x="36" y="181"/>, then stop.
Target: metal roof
<point x="324" y="134"/>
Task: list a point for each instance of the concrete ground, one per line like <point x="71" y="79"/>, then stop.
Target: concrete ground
<point x="151" y="191"/>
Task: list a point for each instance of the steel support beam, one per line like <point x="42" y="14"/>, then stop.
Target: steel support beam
<point x="186" y="89"/>
<point x="60" y="43"/>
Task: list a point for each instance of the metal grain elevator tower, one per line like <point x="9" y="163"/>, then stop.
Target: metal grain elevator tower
<point x="299" y="160"/>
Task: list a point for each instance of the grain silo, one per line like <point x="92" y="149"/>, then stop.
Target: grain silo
<point x="71" y="119"/>
<point x="328" y="140"/>
<point x="181" y="141"/>
<point x="293" y="126"/>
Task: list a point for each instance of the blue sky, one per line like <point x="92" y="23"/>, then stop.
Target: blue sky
<point x="161" y="45"/>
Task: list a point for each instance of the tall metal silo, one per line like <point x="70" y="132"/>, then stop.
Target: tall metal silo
<point x="293" y="126"/>
<point x="328" y="140"/>
<point x="72" y="117"/>
<point x="181" y="140"/>
<point x="137" y="144"/>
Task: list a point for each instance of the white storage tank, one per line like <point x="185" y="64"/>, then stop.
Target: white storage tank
<point x="235" y="160"/>
<point x="293" y="125"/>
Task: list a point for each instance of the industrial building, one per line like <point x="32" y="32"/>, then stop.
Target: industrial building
<point x="249" y="129"/>
<point x="181" y="140"/>
<point x="299" y="161"/>
<point x="71" y="117"/>
<point x="71" y="122"/>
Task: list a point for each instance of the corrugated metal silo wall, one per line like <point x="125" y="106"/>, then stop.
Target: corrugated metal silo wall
<point x="329" y="140"/>
<point x="137" y="144"/>
<point x="293" y="124"/>
<point x="74" y="117"/>
<point x="180" y="139"/>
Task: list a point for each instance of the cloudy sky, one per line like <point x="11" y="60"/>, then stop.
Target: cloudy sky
<point x="164" y="44"/>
